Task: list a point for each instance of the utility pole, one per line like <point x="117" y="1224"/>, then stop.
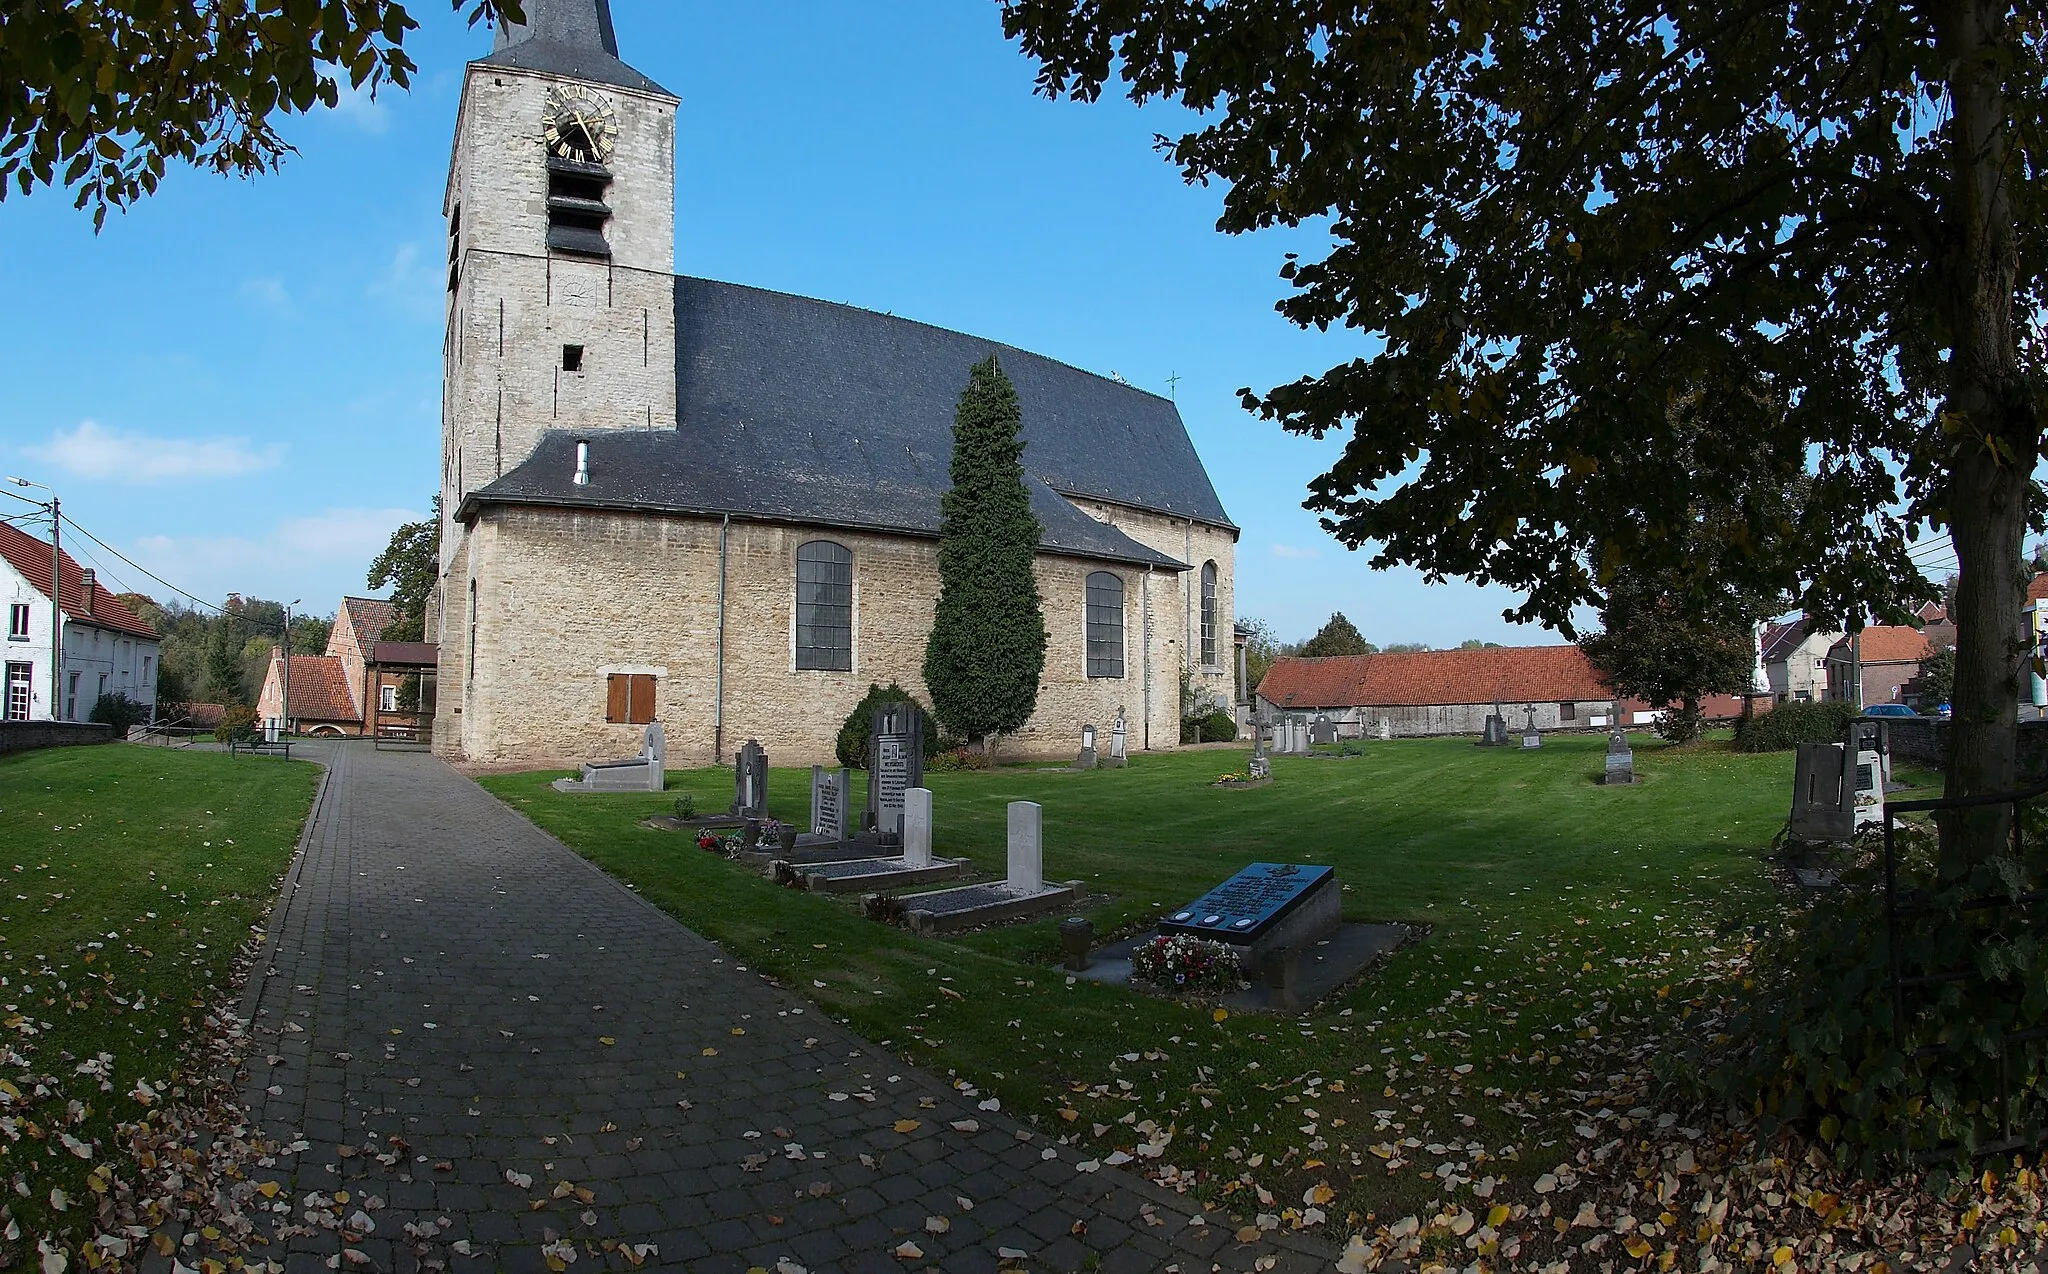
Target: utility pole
<point x="284" y="710"/>
<point x="1856" y="670"/>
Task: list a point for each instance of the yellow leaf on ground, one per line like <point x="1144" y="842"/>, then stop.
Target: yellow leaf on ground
<point x="908" y="1125"/>
<point x="1219" y="1015"/>
<point x="606" y="1040"/>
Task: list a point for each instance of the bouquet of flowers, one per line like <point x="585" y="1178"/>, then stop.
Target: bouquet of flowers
<point x="1188" y="964"/>
<point x="706" y="841"/>
<point x="1235" y="776"/>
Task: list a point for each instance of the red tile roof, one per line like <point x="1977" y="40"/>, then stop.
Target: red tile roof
<point x="369" y="617"/>
<point x="2038" y="589"/>
<point x="413" y="654"/>
<point x="1523" y="674"/>
<point x="1891" y="644"/>
<point x="31" y="557"/>
<point x="320" y="690"/>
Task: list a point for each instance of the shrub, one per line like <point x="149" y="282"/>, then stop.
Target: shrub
<point x="238" y="725"/>
<point x="1812" y="1042"/>
<point x="1187" y="964"/>
<point x="118" y="711"/>
<point x="957" y="759"/>
<point x="852" y="747"/>
<point x="1790" y="724"/>
<point x="686" y="806"/>
<point x="1219" y="727"/>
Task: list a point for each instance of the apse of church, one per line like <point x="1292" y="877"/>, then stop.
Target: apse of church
<point x="644" y="472"/>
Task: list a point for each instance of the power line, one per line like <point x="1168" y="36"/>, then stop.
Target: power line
<point x="145" y="570"/>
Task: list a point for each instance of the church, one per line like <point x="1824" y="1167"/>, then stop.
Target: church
<point x="677" y="498"/>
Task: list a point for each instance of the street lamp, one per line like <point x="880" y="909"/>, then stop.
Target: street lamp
<point x="56" y="590"/>
<point x="284" y="710"/>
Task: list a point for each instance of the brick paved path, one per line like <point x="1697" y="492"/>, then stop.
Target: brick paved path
<point x="455" y="996"/>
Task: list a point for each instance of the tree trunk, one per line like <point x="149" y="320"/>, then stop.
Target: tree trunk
<point x="1997" y="436"/>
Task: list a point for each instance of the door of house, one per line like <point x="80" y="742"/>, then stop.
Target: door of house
<point x="18" y="696"/>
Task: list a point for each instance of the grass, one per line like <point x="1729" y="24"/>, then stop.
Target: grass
<point x="1560" y="913"/>
<point x="133" y="877"/>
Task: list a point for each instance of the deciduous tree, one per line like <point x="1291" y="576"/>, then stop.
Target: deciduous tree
<point x="408" y="566"/>
<point x="1560" y="219"/>
<point x="1337" y="637"/>
<point x="987" y="645"/>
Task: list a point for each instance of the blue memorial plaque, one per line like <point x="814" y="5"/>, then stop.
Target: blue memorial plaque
<point x="1249" y="904"/>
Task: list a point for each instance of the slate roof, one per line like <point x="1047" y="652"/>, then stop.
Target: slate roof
<point x="320" y="690"/>
<point x="31" y="557"/>
<point x="567" y="37"/>
<point x="792" y="409"/>
<point x="1431" y="678"/>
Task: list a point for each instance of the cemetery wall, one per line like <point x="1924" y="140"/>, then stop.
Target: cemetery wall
<point x="1924" y="741"/>
<point x="27" y="736"/>
<point x="1432" y="720"/>
<point x="566" y="598"/>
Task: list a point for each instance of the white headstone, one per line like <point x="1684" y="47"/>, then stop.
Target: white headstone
<point x="917" y="826"/>
<point x="1117" y="737"/>
<point x="1027" y="848"/>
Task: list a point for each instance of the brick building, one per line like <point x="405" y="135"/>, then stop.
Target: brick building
<point x="676" y="497"/>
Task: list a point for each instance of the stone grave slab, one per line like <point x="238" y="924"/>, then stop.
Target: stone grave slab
<point x="1023" y="892"/>
<point x="1620" y="760"/>
<point x="1266" y="909"/>
<point x="879" y="874"/>
<point x="1322" y="967"/>
<point x="646" y="772"/>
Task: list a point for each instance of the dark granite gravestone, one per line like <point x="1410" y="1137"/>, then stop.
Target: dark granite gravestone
<point x="1621" y="762"/>
<point x="895" y="765"/>
<point x="1267" y="907"/>
<point x="1322" y="732"/>
<point x="750" y="781"/>
<point x="1086" y="760"/>
<point x="1496" y="733"/>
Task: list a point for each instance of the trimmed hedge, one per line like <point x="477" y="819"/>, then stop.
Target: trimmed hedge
<point x="1219" y="727"/>
<point x="1790" y="724"/>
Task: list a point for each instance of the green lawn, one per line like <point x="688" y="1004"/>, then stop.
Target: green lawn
<point x="134" y="876"/>
<point x="1559" y="912"/>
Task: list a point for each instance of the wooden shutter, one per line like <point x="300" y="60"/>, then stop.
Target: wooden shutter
<point x="640" y="698"/>
<point x="616" y="690"/>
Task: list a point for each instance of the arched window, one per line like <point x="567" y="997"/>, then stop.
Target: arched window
<point x="1105" y="625"/>
<point x="1208" y="614"/>
<point x="824" y="607"/>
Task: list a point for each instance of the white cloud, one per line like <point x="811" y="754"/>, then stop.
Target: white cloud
<point x="414" y="287"/>
<point x="269" y="292"/>
<point x="355" y="105"/>
<point x="91" y="450"/>
<point x="1290" y="550"/>
<point x="318" y="557"/>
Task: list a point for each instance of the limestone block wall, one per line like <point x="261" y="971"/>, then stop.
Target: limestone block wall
<point x="565" y="598"/>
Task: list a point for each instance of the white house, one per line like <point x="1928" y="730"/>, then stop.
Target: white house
<point x="107" y="649"/>
<point x="1795" y="658"/>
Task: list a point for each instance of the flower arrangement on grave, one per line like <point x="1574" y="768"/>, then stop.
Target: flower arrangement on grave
<point x="706" y="841"/>
<point x="1187" y="964"/>
<point x="1235" y="776"/>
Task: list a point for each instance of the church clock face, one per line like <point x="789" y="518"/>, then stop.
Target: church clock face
<point x="579" y="126"/>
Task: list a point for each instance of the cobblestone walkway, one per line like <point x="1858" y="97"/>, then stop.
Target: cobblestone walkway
<point x="489" y="1047"/>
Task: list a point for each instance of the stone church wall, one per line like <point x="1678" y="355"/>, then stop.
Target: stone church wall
<point x="565" y="597"/>
<point x="1180" y="617"/>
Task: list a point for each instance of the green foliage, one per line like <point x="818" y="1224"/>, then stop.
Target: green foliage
<point x="1336" y="637"/>
<point x="223" y="668"/>
<point x="1937" y="680"/>
<point x="1218" y="727"/>
<point x="118" y="711"/>
<point x="852" y="744"/>
<point x="101" y="95"/>
<point x="1665" y="647"/>
<point x="1790" y="724"/>
<point x="1261" y="648"/>
<point x="310" y="633"/>
<point x="238" y="725"/>
<point x="986" y="651"/>
<point x="409" y="566"/>
<point x="686" y="806"/>
<point x="955" y="759"/>
<point x="1815" y="1042"/>
<point x="172" y="696"/>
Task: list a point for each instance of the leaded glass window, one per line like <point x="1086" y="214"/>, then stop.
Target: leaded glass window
<point x="824" y="607"/>
<point x="1209" y="614"/>
<point x="1105" y="625"/>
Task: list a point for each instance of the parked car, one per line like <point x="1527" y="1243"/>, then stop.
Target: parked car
<point x="1889" y="710"/>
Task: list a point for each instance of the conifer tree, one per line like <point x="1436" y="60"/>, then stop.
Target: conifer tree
<point x="987" y="646"/>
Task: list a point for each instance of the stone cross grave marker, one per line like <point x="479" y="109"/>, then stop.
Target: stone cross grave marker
<point x="1621" y="762"/>
<point x="828" y="802"/>
<point x="1531" y="736"/>
<point x="895" y="765"/>
<point x="917" y="827"/>
<point x="1086" y="760"/>
<point x="1027" y="847"/>
<point x="750" y="780"/>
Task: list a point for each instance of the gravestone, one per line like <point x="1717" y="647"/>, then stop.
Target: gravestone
<point x="1323" y="732"/>
<point x="646" y="772"/>
<point x="1086" y="760"/>
<point x="1621" y="762"/>
<point x="750" y="781"/>
<point x="1027" y="848"/>
<point x="1022" y="892"/>
<point x="828" y="802"/>
<point x="1118" y="742"/>
<point x="1270" y="912"/>
<point x="917" y="828"/>
<point x="895" y="765"/>
<point x="1385" y="729"/>
<point x="1531" y="736"/>
<point x="1258" y="767"/>
<point x="1823" y="793"/>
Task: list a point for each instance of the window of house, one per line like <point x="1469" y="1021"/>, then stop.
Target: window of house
<point x="629" y="698"/>
<point x="387" y="698"/>
<point x="1208" y="614"/>
<point x="18" y="694"/>
<point x="149" y="667"/>
<point x="1567" y="712"/>
<point x="17" y="622"/>
<point x="824" y="607"/>
<point x="1105" y="625"/>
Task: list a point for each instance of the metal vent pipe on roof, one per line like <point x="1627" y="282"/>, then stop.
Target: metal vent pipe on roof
<point x="582" y="463"/>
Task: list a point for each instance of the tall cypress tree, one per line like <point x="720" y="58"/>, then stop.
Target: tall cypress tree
<point x="987" y="647"/>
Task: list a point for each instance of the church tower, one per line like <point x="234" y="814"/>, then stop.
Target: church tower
<point x="560" y="214"/>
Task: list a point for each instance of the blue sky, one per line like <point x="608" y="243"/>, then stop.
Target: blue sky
<point x="237" y="384"/>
